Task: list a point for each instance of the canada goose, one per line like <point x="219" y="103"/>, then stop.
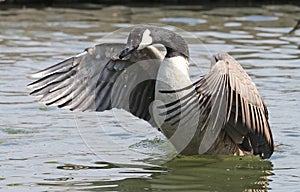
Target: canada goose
<point x="222" y="113"/>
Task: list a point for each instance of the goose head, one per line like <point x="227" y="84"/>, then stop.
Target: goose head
<point x="143" y="36"/>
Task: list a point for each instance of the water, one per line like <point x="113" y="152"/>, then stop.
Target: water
<point x="48" y="149"/>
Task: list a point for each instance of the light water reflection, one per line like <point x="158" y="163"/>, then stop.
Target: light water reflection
<point x="184" y="173"/>
<point x="41" y="148"/>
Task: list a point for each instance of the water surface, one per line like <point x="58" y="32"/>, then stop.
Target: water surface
<point x="49" y="149"/>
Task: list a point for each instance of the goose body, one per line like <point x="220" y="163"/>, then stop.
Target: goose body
<point x="221" y="113"/>
<point x="172" y="74"/>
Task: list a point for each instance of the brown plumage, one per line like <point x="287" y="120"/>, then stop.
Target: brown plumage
<point x="230" y="108"/>
<point x="222" y="113"/>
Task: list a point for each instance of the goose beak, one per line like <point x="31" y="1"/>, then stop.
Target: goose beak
<point x="127" y="51"/>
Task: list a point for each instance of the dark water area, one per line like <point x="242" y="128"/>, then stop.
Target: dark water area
<point x="49" y="149"/>
<point x="231" y="2"/>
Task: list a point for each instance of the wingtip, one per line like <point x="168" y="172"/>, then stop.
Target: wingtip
<point x="167" y="91"/>
<point x="29" y="85"/>
<point x="36" y="75"/>
<point x="265" y="151"/>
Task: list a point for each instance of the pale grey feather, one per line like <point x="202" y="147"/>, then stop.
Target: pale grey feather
<point x="229" y="104"/>
<point x="86" y="82"/>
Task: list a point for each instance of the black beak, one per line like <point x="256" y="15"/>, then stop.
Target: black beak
<point x="126" y="51"/>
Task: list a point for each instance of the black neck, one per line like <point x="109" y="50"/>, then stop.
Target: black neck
<point x="174" y="43"/>
<point x="173" y="53"/>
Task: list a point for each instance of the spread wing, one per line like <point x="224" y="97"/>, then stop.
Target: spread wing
<point x="96" y="80"/>
<point x="228" y="99"/>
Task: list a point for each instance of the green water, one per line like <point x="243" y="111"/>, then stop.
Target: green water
<point x="49" y="149"/>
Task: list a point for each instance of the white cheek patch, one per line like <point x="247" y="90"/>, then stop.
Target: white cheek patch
<point x="146" y="39"/>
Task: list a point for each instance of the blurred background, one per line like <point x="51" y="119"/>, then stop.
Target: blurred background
<point x="49" y="149"/>
<point x="182" y="2"/>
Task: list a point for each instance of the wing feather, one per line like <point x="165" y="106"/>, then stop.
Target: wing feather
<point x="250" y="111"/>
<point x="87" y="81"/>
<point x="228" y="100"/>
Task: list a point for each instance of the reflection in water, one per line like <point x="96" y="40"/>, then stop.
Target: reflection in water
<point x="213" y="174"/>
<point x="181" y="174"/>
